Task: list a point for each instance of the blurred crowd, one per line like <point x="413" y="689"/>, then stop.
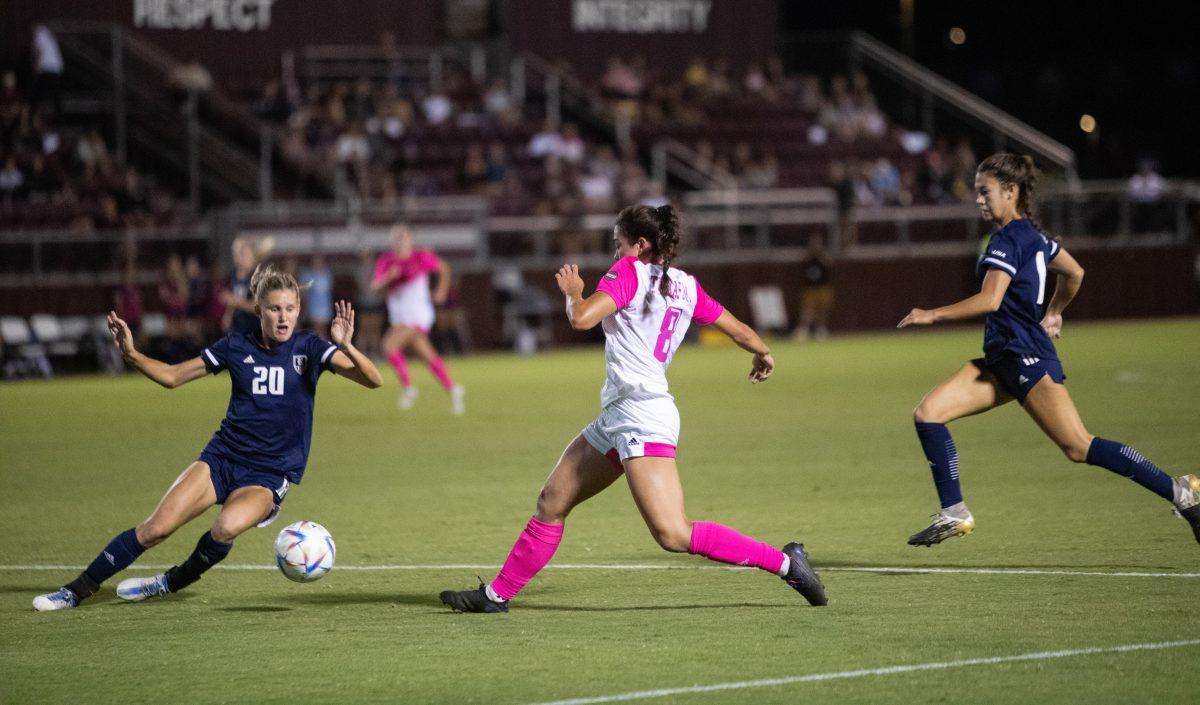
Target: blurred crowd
<point x="54" y="175"/>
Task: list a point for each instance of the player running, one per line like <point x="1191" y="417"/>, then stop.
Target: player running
<point x="259" y="451"/>
<point x="645" y="307"/>
<point x="1019" y="360"/>
<point x="404" y="274"/>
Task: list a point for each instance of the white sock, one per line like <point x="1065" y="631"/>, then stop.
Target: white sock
<point x="491" y="594"/>
<point x="783" y="569"/>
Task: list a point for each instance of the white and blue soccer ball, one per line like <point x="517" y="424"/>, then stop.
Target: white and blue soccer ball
<point x="304" y="551"/>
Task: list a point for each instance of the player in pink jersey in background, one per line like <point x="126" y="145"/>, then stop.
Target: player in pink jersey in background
<point x="645" y="307"/>
<point x="404" y="274"/>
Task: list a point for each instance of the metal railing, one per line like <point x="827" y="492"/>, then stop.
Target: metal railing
<point x="723" y="226"/>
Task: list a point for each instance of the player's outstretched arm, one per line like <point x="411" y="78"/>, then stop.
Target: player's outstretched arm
<point x="748" y="340"/>
<point x="442" y="290"/>
<point x="1070" y="278"/>
<point x="583" y="314"/>
<point x="995" y="284"/>
<point x="169" y="376"/>
<point x="349" y="361"/>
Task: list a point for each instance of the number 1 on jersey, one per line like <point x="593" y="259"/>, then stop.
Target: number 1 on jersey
<point x="662" y="347"/>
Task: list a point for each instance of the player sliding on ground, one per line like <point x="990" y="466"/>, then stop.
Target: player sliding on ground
<point x="1019" y="360"/>
<point x="645" y="307"/>
<point x="260" y="449"/>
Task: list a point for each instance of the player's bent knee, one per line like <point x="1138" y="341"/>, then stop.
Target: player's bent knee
<point x="1076" y="452"/>
<point x="925" y="413"/>
<point x="226" y="532"/>
<point x="153" y="532"/>
<point x="674" y="539"/>
<point x="550" y="507"/>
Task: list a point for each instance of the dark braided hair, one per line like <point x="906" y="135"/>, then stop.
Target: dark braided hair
<point x="1018" y="170"/>
<point x="660" y="226"/>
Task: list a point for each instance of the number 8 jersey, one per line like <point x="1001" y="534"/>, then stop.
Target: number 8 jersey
<point x="268" y="425"/>
<point x="646" y="329"/>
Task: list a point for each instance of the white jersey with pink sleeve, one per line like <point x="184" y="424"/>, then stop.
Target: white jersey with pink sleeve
<point x="647" y="328"/>
<point x="409" y="301"/>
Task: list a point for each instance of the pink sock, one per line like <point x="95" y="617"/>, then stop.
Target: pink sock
<point x="723" y="544"/>
<point x="438" y="367"/>
<point x="532" y="551"/>
<point x="401" y="367"/>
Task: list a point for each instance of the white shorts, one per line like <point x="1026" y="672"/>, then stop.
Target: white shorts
<point x="635" y="429"/>
<point x="400" y="313"/>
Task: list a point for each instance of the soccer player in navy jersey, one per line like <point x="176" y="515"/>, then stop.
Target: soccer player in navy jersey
<point x="1019" y="360"/>
<point x="259" y="451"/>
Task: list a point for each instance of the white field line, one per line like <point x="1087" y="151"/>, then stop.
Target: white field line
<point x="661" y="566"/>
<point x="869" y="672"/>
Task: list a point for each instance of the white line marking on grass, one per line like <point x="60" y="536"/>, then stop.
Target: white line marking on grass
<point x="864" y="672"/>
<point x="900" y="570"/>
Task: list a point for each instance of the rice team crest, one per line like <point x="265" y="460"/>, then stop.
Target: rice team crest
<point x="299" y="363"/>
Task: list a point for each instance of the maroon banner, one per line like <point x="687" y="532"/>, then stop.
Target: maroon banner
<point x="668" y="33"/>
<point x="238" y="40"/>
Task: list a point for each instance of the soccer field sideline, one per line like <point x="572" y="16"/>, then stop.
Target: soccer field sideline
<point x="867" y="672"/>
<point x="916" y="570"/>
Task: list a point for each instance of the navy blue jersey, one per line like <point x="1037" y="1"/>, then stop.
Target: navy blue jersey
<point x="1024" y="253"/>
<point x="243" y="321"/>
<point x="268" y="425"/>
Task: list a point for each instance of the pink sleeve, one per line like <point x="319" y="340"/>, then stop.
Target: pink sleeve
<point x="621" y="282"/>
<point x="707" y="308"/>
<point x="381" y="266"/>
<point x="430" y="262"/>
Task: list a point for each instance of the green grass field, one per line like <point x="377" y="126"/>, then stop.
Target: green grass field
<point x="824" y="453"/>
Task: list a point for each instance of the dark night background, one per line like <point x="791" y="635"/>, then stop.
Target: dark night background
<point x="1135" y="67"/>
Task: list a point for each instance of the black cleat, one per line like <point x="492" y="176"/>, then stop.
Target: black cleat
<point x="1192" y="516"/>
<point x="802" y="577"/>
<point x="472" y="601"/>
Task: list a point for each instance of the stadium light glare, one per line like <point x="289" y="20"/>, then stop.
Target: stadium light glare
<point x="958" y="36"/>
<point x="1087" y="123"/>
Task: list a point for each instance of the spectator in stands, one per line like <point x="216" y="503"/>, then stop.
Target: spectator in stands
<point x="273" y="106"/>
<point x="173" y="298"/>
<point x="368" y="307"/>
<point x="473" y="172"/>
<point x="621" y="80"/>
<point x="843" y="191"/>
<point x="571" y="147"/>
<point x="885" y="181"/>
<point x="546" y="143"/>
<point x="197" y="296"/>
<point x="47" y="68"/>
<point x="496" y="167"/>
<point x="1146" y="189"/>
<point x="12" y="179"/>
<point x="239" y="304"/>
<point x="190" y="78"/>
<point x="816" y="291"/>
<point x="437" y="107"/>
<point x="353" y="152"/>
<point x="319" y="296"/>
<point x="127" y="300"/>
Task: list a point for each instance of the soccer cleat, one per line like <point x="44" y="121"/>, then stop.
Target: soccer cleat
<point x="62" y="599"/>
<point x="1188" y="506"/>
<point x="802" y="577"/>
<point x="457" y="406"/>
<point x="408" y="397"/>
<point x="138" y="589"/>
<point x="946" y="525"/>
<point x="472" y="601"/>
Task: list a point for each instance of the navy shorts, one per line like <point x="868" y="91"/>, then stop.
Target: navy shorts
<point x="228" y="475"/>
<point x="1018" y="373"/>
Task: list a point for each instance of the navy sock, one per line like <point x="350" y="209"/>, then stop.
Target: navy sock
<point x="208" y="553"/>
<point x="122" y="551"/>
<point x="1127" y="462"/>
<point x="943" y="461"/>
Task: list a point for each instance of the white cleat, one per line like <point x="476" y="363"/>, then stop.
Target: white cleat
<point x="62" y="599"/>
<point x="408" y="397"/>
<point x="458" y="405"/>
<point x="138" y="589"/>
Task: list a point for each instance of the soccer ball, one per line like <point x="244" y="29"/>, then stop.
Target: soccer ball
<point x="304" y="551"/>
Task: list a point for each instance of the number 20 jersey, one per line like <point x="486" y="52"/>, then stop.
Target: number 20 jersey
<point x="268" y="425"/>
<point x="646" y="329"/>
